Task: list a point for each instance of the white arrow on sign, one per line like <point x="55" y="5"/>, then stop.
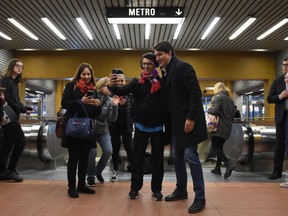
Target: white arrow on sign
<point x="178" y="12"/>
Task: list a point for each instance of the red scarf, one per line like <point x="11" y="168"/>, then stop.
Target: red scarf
<point x="152" y="78"/>
<point x="83" y="87"/>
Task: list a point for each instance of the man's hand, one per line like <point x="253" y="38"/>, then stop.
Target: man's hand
<point x="189" y="125"/>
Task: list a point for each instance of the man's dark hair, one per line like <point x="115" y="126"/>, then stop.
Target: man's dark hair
<point x="151" y="57"/>
<point x="164" y="46"/>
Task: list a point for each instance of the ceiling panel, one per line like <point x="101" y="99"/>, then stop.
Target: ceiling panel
<point x="198" y="15"/>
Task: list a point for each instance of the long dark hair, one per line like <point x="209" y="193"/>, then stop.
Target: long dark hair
<point x="77" y="75"/>
<point x="9" y="70"/>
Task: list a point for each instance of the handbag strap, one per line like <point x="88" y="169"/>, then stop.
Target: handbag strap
<point x="84" y="109"/>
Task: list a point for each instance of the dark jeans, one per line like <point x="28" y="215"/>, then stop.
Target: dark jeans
<point x="78" y="155"/>
<point x="217" y="146"/>
<point x="116" y="133"/>
<point x="190" y="154"/>
<point x="13" y="144"/>
<point x="141" y="140"/>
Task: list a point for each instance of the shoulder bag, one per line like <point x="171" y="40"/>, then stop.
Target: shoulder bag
<point x="8" y="115"/>
<point x="211" y="122"/>
<point x="81" y="127"/>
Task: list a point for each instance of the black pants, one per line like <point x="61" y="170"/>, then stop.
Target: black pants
<point x="78" y="155"/>
<point x="13" y="144"/>
<point x="279" y="148"/>
<point x="140" y="143"/>
<point x="116" y="133"/>
<point x="217" y="146"/>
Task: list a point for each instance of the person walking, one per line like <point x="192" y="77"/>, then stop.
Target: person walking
<point x="13" y="141"/>
<point x="278" y="95"/>
<point x="184" y="99"/>
<point x="222" y="106"/>
<point x="74" y="97"/>
<point x="148" y="121"/>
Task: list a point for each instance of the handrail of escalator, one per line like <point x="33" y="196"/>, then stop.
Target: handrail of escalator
<point x="251" y="145"/>
<point x="40" y="142"/>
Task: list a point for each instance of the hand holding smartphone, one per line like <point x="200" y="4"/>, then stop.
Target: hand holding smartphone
<point x="89" y="93"/>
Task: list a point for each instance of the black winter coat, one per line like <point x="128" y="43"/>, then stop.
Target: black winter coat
<point x="71" y="100"/>
<point x="184" y="98"/>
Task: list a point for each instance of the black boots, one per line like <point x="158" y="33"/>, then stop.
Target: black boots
<point x="216" y="170"/>
<point x="230" y="166"/>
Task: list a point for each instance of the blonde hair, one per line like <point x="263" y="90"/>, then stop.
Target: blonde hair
<point x="101" y="83"/>
<point x="220" y="86"/>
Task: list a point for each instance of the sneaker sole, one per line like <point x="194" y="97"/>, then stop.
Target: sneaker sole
<point x="133" y="197"/>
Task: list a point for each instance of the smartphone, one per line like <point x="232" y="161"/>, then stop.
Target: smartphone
<point x="89" y="93"/>
<point x="114" y="71"/>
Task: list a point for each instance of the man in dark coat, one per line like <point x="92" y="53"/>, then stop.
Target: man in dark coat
<point x="184" y="100"/>
<point x="279" y="95"/>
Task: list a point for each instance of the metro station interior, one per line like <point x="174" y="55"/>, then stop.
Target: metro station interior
<point x="247" y="64"/>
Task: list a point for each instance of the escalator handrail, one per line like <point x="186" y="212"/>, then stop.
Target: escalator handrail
<point x="251" y="145"/>
<point x="39" y="142"/>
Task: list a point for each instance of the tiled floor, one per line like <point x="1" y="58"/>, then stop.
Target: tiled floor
<point x="44" y="193"/>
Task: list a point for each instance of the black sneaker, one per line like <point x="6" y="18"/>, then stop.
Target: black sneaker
<point x="73" y="193"/>
<point x="100" y="178"/>
<point x="12" y="175"/>
<point x="114" y="176"/>
<point x="86" y="190"/>
<point x="91" y="183"/>
<point x="157" y="196"/>
<point x="133" y="194"/>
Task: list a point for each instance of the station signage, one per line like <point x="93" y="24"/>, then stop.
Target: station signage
<point x="145" y="12"/>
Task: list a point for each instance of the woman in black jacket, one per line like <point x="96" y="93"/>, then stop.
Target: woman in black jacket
<point x="223" y="106"/>
<point x="75" y="94"/>
<point x="13" y="142"/>
<point x="148" y="120"/>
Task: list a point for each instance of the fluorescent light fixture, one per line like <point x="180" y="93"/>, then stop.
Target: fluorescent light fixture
<point x="210" y="28"/>
<point x="286" y="38"/>
<point x="27" y="89"/>
<point x="39" y="92"/>
<point x="248" y="93"/>
<point x="85" y="29"/>
<point x="274" y="28"/>
<point x="53" y="28"/>
<point x="178" y="29"/>
<point x="22" y="28"/>
<point x="5" y="36"/>
<point x="210" y="88"/>
<point x="117" y="32"/>
<point x="147" y="30"/>
<point x="144" y="20"/>
<point x="242" y="28"/>
<point x="261" y="89"/>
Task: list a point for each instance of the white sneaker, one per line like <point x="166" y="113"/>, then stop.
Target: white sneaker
<point x="284" y="185"/>
<point x="114" y="176"/>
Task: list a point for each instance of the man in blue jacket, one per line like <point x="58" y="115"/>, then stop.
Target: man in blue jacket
<point x="184" y="100"/>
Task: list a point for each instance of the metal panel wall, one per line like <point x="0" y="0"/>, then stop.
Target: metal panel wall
<point x="5" y="57"/>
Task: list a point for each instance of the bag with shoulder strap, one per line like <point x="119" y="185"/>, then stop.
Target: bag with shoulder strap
<point x="81" y="127"/>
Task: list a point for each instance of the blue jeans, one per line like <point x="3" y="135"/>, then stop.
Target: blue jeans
<point x="104" y="141"/>
<point x="190" y="155"/>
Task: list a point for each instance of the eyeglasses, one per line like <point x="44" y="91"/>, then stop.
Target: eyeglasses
<point x="284" y="65"/>
<point x="147" y="64"/>
<point x="19" y="66"/>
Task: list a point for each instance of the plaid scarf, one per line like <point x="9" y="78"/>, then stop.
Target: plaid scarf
<point x="152" y="78"/>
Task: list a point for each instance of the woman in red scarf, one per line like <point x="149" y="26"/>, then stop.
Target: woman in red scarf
<point x="75" y="94"/>
<point x="149" y="123"/>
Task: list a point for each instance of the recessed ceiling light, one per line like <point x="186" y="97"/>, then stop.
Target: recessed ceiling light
<point x="53" y="28"/>
<point x="84" y="27"/>
<point x="22" y="28"/>
<point x="274" y="28"/>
